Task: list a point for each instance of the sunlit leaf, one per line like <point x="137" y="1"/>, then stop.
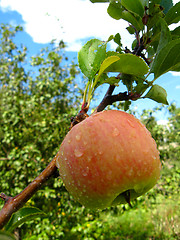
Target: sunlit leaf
<point x="129" y="64"/>
<point x="107" y="62"/>
<point x="168" y="59"/>
<point x="173" y="15"/>
<point x="117" y="39"/>
<point x="23" y="215"/>
<point x="115" y="10"/>
<point x="91" y="56"/>
<point x="158" y="94"/>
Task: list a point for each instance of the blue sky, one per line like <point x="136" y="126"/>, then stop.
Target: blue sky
<point x="74" y="21"/>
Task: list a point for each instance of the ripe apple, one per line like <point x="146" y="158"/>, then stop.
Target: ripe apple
<point x="108" y="158"/>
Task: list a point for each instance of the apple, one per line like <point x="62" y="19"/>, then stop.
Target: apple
<point x="107" y="159"/>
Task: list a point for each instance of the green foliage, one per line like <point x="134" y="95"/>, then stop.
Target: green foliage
<point x="149" y="21"/>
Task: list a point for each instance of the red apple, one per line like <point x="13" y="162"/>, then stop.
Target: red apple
<point x="108" y="158"/>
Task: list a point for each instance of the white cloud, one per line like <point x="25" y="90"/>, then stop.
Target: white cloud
<point x="70" y="20"/>
<point x="176" y="74"/>
<point x="178" y="87"/>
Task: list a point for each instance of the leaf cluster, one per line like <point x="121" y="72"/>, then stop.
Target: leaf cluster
<point x="155" y="50"/>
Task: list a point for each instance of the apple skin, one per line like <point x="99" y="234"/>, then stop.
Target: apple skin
<point x="106" y="155"/>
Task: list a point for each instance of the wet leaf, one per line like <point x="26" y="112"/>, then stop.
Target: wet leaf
<point x="23" y="215"/>
<point x="91" y="56"/>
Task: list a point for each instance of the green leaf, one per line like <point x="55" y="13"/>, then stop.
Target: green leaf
<point x="115" y="10"/>
<point x="173" y="15"/>
<point x="168" y="59"/>
<point x="112" y="80"/>
<point x="117" y="39"/>
<point x="129" y="64"/>
<point x="134" y="6"/>
<point x="105" y="64"/>
<point x="127" y="105"/>
<point x="166" y="4"/>
<point x="165" y="35"/>
<point x="131" y="30"/>
<point x="23" y="215"/>
<point x="176" y="32"/>
<point x="6" y="236"/>
<point x="135" y="21"/>
<point x="158" y="94"/>
<point x="91" y="56"/>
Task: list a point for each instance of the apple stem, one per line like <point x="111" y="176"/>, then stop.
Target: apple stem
<point x="127" y="196"/>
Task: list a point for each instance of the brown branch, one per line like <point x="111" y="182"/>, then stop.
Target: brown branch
<point x="109" y="99"/>
<point x="12" y="204"/>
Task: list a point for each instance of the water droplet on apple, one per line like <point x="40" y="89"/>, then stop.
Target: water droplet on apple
<point x="115" y="132"/>
<point x="85" y="172"/>
<point x="78" y="153"/>
<point x="100" y="152"/>
<point x="109" y="175"/>
<point x="89" y="158"/>
<point x="130" y="172"/>
<point x="130" y="123"/>
<point x="78" y="137"/>
<point x="57" y="163"/>
<point x="85" y="143"/>
<point x="69" y="141"/>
